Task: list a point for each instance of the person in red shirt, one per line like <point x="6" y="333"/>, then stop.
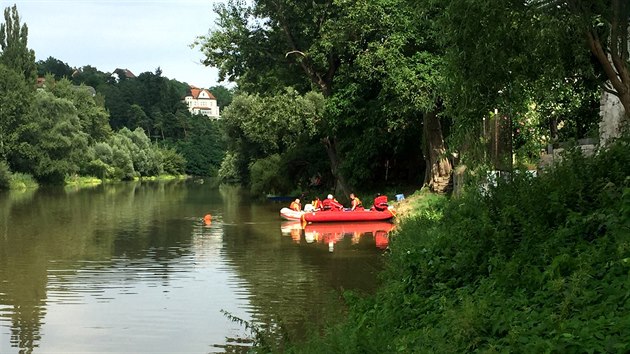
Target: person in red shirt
<point x="380" y="203"/>
<point x="331" y="203"/>
<point x="295" y="205"/>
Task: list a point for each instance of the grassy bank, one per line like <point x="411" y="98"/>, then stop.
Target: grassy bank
<point x="537" y="265"/>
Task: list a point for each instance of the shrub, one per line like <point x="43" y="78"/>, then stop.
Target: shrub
<point x="5" y="176"/>
<point x="268" y="176"/>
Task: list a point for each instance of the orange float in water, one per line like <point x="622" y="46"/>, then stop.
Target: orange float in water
<point x="207" y="219"/>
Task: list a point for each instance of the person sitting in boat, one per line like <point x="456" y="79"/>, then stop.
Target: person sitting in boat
<point x="355" y="203"/>
<point x="330" y="203"/>
<point x="380" y="202"/>
<point x="295" y="205"/>
<point x="317" y="204"/>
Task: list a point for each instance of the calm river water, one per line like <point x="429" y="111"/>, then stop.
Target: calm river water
<point x="131" y="268"/>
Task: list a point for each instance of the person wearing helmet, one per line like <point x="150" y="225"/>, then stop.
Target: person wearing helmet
<point x="330" y="203"/>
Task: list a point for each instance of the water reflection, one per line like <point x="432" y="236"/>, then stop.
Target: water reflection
<point x="133" y="267"/>
<point x="332" y="233"/>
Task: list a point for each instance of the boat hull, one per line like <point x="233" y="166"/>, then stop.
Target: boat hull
<point x="348" y="215"/>
<point x="289" y="214"/>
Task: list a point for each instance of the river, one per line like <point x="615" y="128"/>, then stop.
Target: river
<point x="132" y="268"/>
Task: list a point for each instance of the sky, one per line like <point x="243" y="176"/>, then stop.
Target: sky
<point x="139" y="35"/>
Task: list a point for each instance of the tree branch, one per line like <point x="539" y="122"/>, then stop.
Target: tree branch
<point x="597" y="50"/>
<point x="294" y="52"/>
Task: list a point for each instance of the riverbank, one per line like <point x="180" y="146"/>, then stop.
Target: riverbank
<point x="534" y="265"/>
<point x="24" y="182"/>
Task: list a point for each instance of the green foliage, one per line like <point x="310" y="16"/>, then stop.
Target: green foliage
<point x="90" y="76"/>
<point x="173" y="163"/>
<point x="91" y="113"/>
<point x="13" y="42"/>
<point x="55" y="67"/>
<point x="5" y="176"/>
<point x="232" y="169"/>
<point x="51" y="143"/>
<point x="223" y="95"/>
<point x="257" y="127"/>
<point x="506" y="55"/>
<point x="204" y="146"/>
<point x="15" y="99"/>
<point x="537" y="264"/>
<point x="268" y="176"/>
<point x="22" y="181"/>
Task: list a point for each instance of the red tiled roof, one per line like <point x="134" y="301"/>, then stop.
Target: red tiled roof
<point x="195" y="92"/>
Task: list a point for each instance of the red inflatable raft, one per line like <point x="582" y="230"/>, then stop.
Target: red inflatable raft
<point x="348" y="215"/>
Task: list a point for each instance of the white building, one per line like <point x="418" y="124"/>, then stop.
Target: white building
<point x="201" y="101"/>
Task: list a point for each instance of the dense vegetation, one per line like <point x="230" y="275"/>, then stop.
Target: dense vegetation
<point x="407" y="85"/>
<point x="533" y="265"/>
<point x="398" y="91"/>
<point x="372" y="93"/>
<point x="84" y="122"/>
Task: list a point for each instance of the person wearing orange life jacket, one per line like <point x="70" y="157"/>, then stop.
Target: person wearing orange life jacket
<point x="355" y="203"/>
<point x="295" y="205"/>
<point x="317" y="204"/>
<point x="331" y="203"/>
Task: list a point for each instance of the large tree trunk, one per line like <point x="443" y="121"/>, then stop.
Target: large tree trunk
<point x="439" y="169"/>
<point x="331" y="149"/>
<point x="613" y="56"/>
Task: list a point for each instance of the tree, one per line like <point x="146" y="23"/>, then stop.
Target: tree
<point x="283" y="43"/>
<point x="55" y="67"/>
<point x="605" y="25"/>
<point x="204" y="148"/>
<point x="258" y="126"/>
<point x="51" y="144"/>
<point x="92" y="115"/>
<point x="223" y="96"/>
<point x="512" y="58"/>
<point x="13" y="42"/>
<point x="406" y="62"/>
<point x="15" y="99"/>
<point x="90" y="76"/>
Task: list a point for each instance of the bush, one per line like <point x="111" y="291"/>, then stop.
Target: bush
<point x="172" y="162"/>
<point x="21" y="181"/>
<point x="268" y="176"/>
<point x="5" y="176"/>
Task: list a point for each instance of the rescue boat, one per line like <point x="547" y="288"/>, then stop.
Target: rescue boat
<point x="347" y="215"/>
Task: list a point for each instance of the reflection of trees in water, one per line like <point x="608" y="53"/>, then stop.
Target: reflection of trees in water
<point x="52" y="228"/>
<point x="293" y="286"/>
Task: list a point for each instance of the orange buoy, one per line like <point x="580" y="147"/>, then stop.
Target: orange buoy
<point x="207" y="219"/>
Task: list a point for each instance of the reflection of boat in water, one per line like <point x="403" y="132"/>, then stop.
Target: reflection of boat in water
<point x="350" y="227"/>
<point x="331" y="233"/>
<point x="293" y="229"/>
